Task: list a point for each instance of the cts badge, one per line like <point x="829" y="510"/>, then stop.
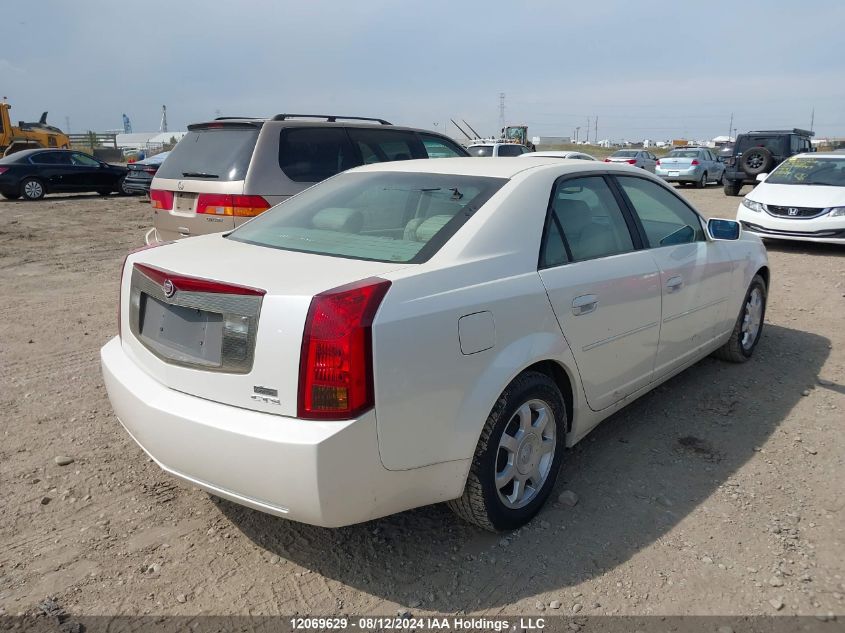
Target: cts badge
<point x="168" y="288"/>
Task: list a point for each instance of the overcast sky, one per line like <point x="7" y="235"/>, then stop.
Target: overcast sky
<point x="647" y="69"/>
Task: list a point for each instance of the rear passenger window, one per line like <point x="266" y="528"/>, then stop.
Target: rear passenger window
<point x="47" y="158"/>
<point x="314" y="154"/>
<point x="666" y="218"/>
<point x="379" y="146"/>
<point x="439" y="148"/>
<point x="510" y="150"/>
<point x="585" y="214"/>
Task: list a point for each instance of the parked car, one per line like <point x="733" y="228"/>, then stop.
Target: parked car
<point x="224" y="172"/>
<point x="802" y="199"/>
<point x="497" y="150"/>
<point x="140" y="174"/>
<point x="756" y="153"/>
<point x="31" y="174"/>
<point x="561" y="154"/>
<point x="637" y="157"/>
<point x="393" y="337"/>
<point x="690" y="165"/>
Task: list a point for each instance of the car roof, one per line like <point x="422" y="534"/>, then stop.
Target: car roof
<point x="311" y="123"/>
<point x="492" y="167"/>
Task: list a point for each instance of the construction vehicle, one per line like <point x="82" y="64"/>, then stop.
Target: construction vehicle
<point x="511" y="134"/>
<point x="28" y="135"/>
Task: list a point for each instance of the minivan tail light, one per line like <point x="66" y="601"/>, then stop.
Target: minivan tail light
<point x="161" y="199"/>
<point x="336" y="361"/>
<point x="231" y="205"/>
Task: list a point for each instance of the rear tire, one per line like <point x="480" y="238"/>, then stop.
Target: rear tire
<point x="121" y="188"/>
<point x="702" y="182"/>
<point x="518" y="456"/>
<point x="749" y="325"/>
<point x="732" y="188"/>
<point x="32" y="189"/>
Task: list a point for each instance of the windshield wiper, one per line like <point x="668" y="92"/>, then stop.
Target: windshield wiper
<point x="198" y="174"/>
<point x="826" y="184"/>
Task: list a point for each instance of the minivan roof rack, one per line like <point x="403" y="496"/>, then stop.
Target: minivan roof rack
<point x="330" y="118"/>
<point x="794" y="130"/>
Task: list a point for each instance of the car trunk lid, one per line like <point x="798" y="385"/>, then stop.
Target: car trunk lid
<point x="223" y="320"/>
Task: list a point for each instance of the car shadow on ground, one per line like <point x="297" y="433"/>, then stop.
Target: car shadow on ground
<point x="815" y="249"/>
<point x="637" y="475"/>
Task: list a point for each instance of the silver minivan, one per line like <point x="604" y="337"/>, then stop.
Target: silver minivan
<point x="226" y="171"/>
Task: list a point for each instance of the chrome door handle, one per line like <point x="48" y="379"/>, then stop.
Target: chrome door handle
<point x="675" y="283"/>
<point x="584" y="304"/>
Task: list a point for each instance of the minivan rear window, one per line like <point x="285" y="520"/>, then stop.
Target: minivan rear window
<point x="213" y="154"/>
<point x="377" y="216"/>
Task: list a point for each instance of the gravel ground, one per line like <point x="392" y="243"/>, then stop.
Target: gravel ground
<point x="719" y="493"/>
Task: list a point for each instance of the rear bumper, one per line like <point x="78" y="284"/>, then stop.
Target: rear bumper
<point x="140" y="186"/>
<point x="323" y="473"/>
<point x="680" y="175"/>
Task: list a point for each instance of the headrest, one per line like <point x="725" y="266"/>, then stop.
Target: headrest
<point x="339" y="219"/>
<point x="431" y="226"/>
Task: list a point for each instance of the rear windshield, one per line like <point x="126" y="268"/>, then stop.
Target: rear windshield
<point x="480" y="150"/>
<point x="626" y="153"/>
<point x="376" y="216"/>
<point x="809" y="170"/>
<point x="683" y="153"/>
<point x="217" y="154"/>
<point x="775" y="144"/>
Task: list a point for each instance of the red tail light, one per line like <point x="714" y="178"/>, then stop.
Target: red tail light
<point x="233" y="205"/>
<point x="161" y="199"/>
<point x="336" y="361"/>
<point x="658" y="162"/>
<point x="122" y="269"/>
<point x="631" y="161"/>
<point x="607" y="160"/>
<point x="3" y="170"/>
<point x="694" y="162"/>
<point x="150" y="170"/>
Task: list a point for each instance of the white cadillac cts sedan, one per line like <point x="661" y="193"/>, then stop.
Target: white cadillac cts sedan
<point x="422" y="331"/>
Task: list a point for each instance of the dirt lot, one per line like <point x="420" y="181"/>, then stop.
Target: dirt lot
<point x="719" y="493"/>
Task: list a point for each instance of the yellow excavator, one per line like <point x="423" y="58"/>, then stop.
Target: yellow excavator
<point x="14" y="138"/>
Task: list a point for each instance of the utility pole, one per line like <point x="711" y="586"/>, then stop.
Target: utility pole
<point x="587" y="137"/>
<point x="67" y="125"/>
<point x="596" y="131"/>
<point x="502" y="110"/>
<point x="731" y="125"/>
<point x="163" y="126"/>
<point x="577" y="131"/>
<point x="812" y="118"/>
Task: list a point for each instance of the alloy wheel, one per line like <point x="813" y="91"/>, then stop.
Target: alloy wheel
<point x="525" y="454"/>
<point x="752" y="319"/>
<point x="33" y="190"/>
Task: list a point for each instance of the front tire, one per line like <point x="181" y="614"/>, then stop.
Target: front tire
<point x="749" y="325"/>
<point x="32" y="189"/>
<point x="518" y="456"/>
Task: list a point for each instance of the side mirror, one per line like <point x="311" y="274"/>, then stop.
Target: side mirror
<point x="723" y="229"/>
<point x="762" y="177"/>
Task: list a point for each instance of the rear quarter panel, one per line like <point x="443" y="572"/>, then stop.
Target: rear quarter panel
<point x="432" y="400"/>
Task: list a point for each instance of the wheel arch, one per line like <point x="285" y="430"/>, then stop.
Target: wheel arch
<point x="764" y="272"/>
<point x="554" y="370"/>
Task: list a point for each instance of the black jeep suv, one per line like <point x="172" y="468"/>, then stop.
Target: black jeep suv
<point x="759" y="153"/>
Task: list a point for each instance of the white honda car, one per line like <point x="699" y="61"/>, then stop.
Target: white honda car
<point x="803" y="199"/>
<point x="423" y="331"/>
